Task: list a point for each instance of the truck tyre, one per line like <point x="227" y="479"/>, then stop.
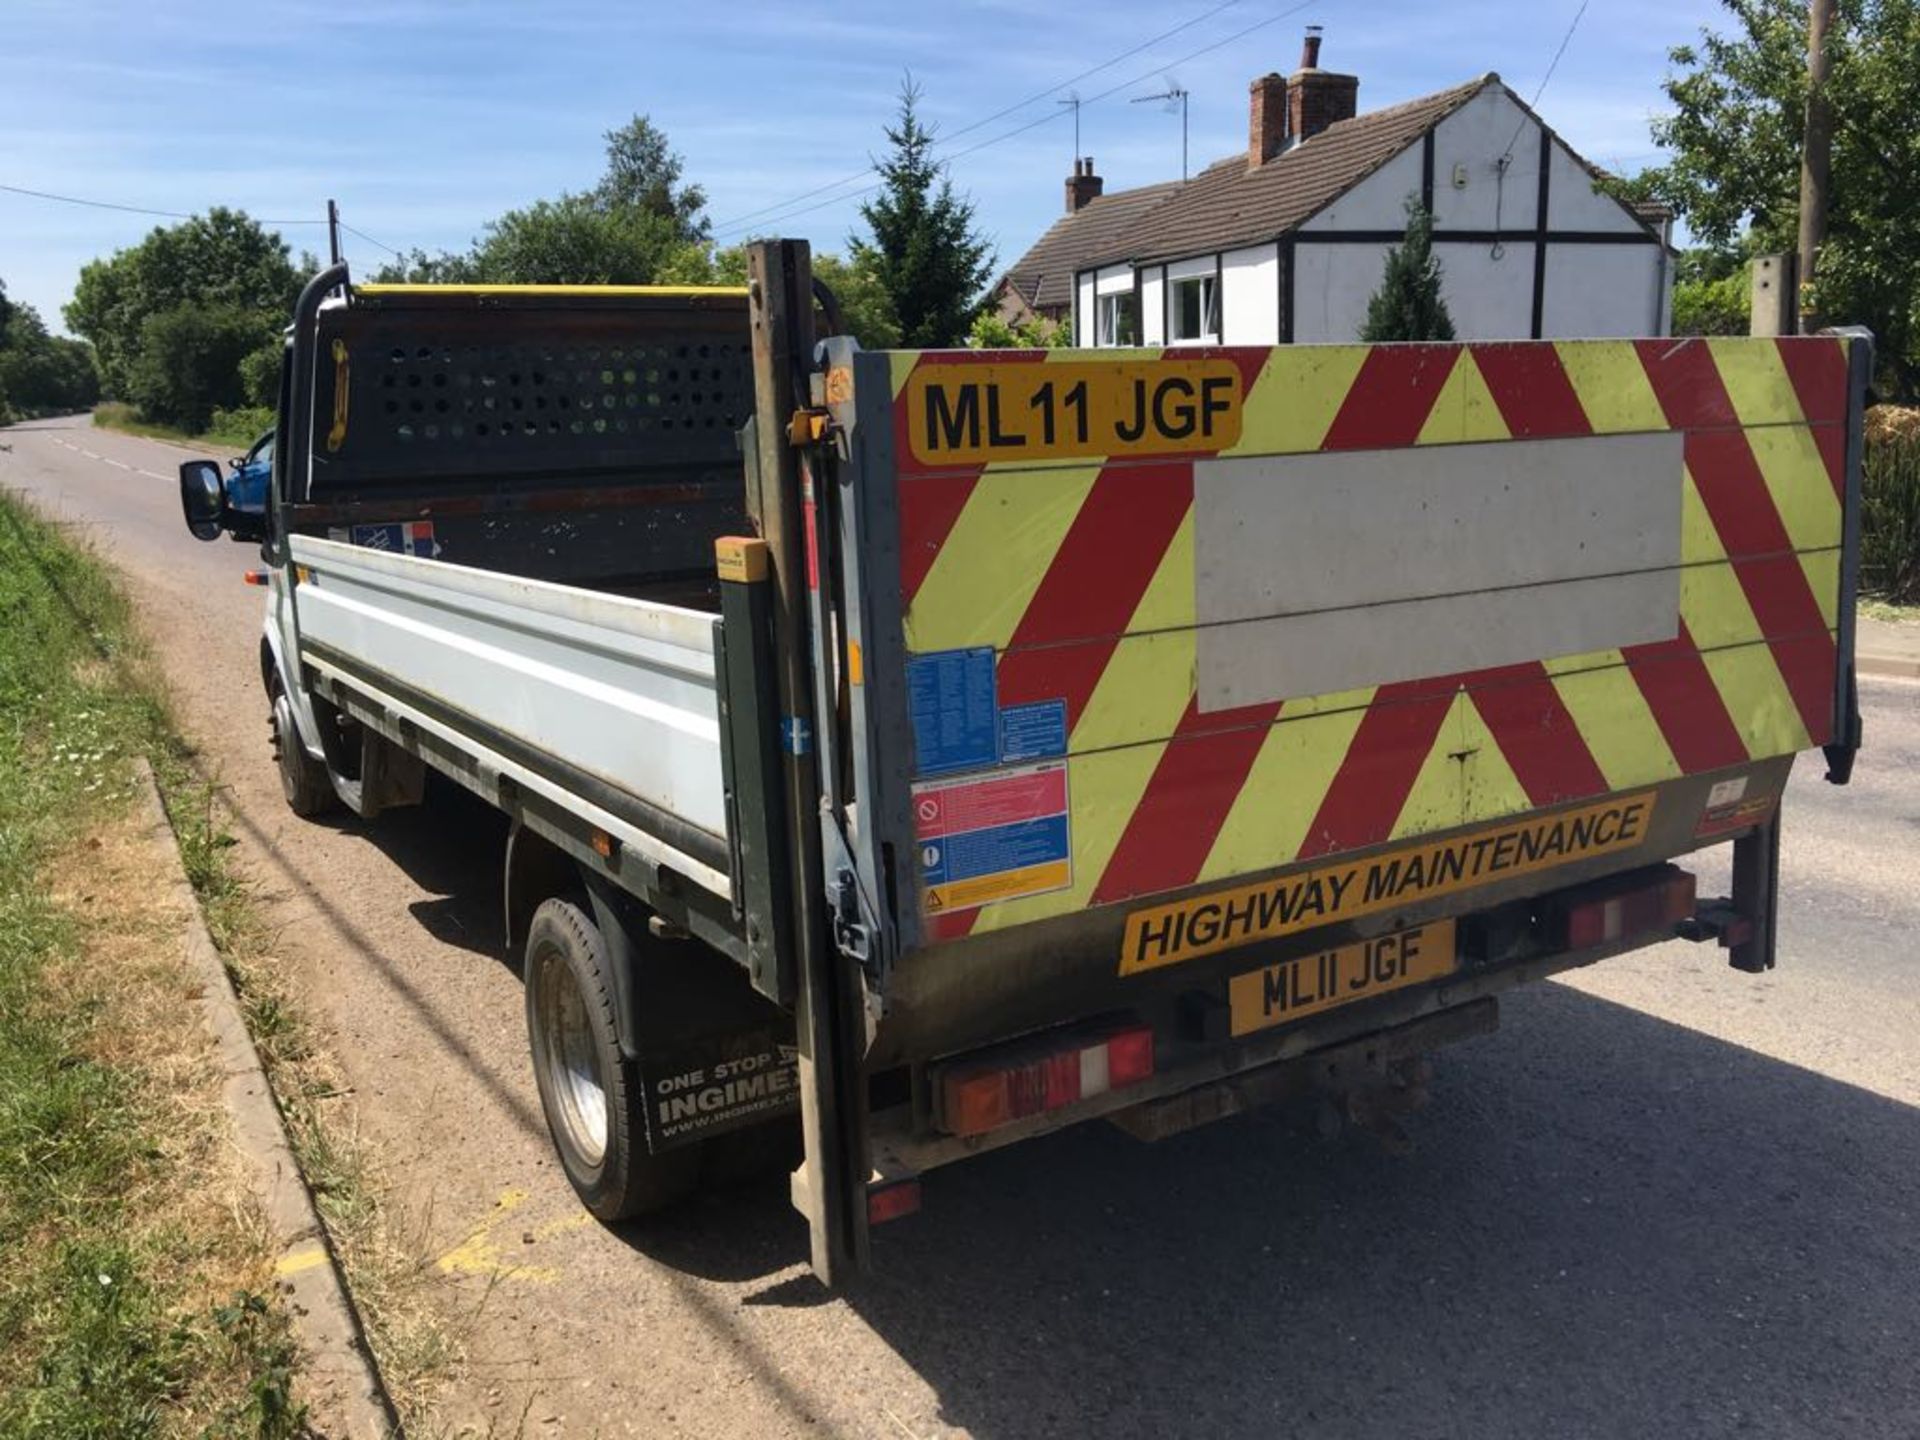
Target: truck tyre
<point x="303" y="779"/>
<point x="592" y="1096"/>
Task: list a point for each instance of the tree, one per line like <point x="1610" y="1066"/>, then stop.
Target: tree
<point x="223" y="258"/>
<point x="643" y="174"/>
<point x="187" y="364"/>
<point x="865" y="308"/>
<point x="922" y="248"/>
<point x="632" y="228"/>
<point x="1408" y="304"/>
<point x="1712" y="292"/>
<point x="575" y="241"/>
<point x="1739" y="106"/>
<point x="42" y="374"/>
<point x="992" y="332"/>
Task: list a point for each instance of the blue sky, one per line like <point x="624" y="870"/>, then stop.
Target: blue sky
<point x="425" y="118"/>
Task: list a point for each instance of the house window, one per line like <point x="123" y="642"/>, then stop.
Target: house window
<point x="1196" y="309"/>
<point x="1118" y="319"/>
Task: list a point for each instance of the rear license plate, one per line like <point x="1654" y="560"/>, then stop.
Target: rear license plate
<point x="1296" y="988"/>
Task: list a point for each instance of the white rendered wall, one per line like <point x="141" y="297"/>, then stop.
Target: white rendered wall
<point x="1083" y="308"/>
<point x="1473" y="139"/>
<point x="1604" y="290"/>
<point x="1331" y="286"/>
<point x="1153" y="306"/>
<point x="1378" y="202"/>
<point x="1250" y="306"/>
<point x="1574" y="204"/>
<point x="1489" y="298"/>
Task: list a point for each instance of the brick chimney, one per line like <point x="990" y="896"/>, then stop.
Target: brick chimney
<point x="1266" y="119"/>
<point x="1083" y="185"/>
<point x="1318" y="98"/>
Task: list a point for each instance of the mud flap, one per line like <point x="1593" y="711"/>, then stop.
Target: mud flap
<point x="713" y="1056"/>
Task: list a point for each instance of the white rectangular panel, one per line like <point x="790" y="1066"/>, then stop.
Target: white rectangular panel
<point x="1321" y="573"/>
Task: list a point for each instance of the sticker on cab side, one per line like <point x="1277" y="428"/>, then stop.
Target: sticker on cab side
<point x="1206" y="924"/>
<point x="996" y="836"/>
<point x="1048" y="410"/>
<point x="397" y="537"/>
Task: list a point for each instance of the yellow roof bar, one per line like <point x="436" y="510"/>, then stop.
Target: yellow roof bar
<point x="664" y="290"/>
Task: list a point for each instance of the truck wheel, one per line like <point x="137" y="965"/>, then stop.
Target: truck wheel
<point x="303" y="780"/>
<point x="591" y="1095"/>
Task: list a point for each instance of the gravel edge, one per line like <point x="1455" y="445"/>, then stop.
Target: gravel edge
<point x="338" y="1371"/>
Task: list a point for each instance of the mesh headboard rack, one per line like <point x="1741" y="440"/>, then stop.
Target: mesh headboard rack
<point x="584" y="434"/>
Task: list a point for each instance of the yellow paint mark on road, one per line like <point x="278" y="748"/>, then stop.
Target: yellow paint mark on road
<point x="482" y="1254"/>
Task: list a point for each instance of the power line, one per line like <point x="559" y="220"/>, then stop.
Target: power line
<point x="1552" y="65"/>
<point x="131" y="209"/>
<point x="986" y="120"/>
<point x="370" y="240"/>
<point x="1108" y="93"/>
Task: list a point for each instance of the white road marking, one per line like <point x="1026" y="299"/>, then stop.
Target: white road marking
<point x="89" y="454"/>
<point x="115" y="463"/>
<point x="149" y="474"/>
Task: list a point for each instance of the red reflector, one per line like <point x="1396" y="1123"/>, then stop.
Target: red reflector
<point x="1130" y="1056"/>
<point x="255" y="577"/>
<point x="988" y="1090"/>
<point x="891" y="1202"/>
<point x="1656" y="906"/>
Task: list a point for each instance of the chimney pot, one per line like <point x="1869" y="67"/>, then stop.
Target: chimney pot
<point x="1318" y="98"/>
<point x="1266" y="119"/>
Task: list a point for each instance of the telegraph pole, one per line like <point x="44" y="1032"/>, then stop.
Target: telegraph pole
<point x="1816" y="149"/>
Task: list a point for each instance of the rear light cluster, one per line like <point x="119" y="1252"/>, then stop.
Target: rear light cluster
<point x="993" y="1088"/>
<point x="1652" y="905"/>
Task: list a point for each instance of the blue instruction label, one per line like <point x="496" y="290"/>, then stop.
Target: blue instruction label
<point x="1033" y="732"/>
<point x="955" y="720"/>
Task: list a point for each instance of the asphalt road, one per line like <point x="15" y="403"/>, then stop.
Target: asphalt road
<point x="1666" y="1198"/>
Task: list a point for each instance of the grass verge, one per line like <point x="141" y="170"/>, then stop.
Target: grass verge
<point x="135" y="1280"/>
<point x="231" y="432"/>
<point x="111" y="1323"/>
<point x="1886" y="610"/>
<point x="385" y="1252"/>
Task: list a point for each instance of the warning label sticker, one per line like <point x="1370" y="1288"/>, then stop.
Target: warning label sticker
<point x="993" y="837"/>
<point x="951" y="694"/>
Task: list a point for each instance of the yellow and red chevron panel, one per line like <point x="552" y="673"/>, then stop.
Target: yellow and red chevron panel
<point x="1086" y="573"/>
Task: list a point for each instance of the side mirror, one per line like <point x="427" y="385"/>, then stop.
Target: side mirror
<point x="203" y="498"/>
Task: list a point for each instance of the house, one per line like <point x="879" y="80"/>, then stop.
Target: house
<point x="1287" y="241"/>
<point x="1041" y="285"/>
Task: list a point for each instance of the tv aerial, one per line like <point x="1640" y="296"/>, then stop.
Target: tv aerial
<point x="1174" y="92"/>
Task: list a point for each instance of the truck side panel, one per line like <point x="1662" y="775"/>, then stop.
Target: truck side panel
<point x="1235" y="651"/>
<point x="623" y="690"/>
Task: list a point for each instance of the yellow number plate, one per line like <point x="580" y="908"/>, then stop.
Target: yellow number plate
<point x="1295" y="989"/>
<point x="1044" y="410"/>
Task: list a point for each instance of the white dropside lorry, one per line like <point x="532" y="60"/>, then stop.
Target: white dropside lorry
<point x="922" y="751"/>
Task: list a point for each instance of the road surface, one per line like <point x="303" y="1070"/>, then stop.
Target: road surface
<point x="1665" y="1199"/>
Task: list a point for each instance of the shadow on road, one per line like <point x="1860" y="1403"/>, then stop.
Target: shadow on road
<point x="1611" y="1226"/>
<point x="452" y="846"/>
